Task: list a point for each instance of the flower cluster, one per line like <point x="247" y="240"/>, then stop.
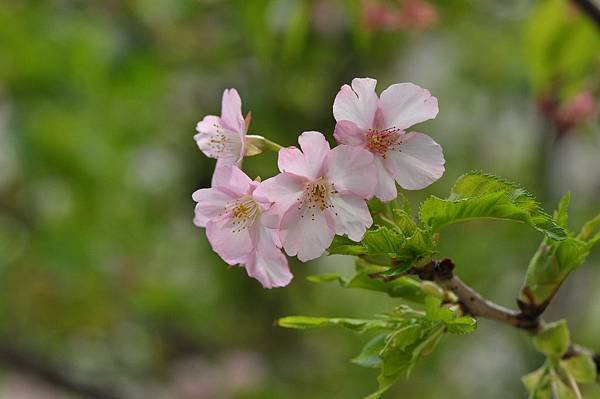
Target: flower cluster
<point x="320" y="191"/>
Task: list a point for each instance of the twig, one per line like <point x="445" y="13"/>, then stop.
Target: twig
<point x="51" y="374"/>
<point x="590" y="8"/>
<point x="471" y="301"/>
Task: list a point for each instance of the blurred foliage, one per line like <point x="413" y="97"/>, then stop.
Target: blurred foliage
<point x="101" y="269"/>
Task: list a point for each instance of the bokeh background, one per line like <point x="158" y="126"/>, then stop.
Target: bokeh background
<point x="107" y="289"/>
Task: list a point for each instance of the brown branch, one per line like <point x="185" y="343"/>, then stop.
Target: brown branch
<point x="51" y="374"/>
<point x="589" y="8"/>
<point x="471" y="301"/>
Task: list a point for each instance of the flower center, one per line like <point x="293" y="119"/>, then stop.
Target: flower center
<point x="243" y="212"/>
<point x="380" y="141"/>
<point x="316" y="197"/>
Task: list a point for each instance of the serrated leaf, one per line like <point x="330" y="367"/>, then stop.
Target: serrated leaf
<point x="369" y="356"/>
<point x="553" y="340"/>
<point x="342" y="245"/>
<point x="554" y="260"/>
<point x="435" y="312"/>
<point x="477" y="195"/>
<point x="582" y="368"/>
<point x="383" y="241"/>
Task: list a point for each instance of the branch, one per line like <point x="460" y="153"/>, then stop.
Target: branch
<point x="590" y="8"/>
<point x="51" y="375"/>
<point x="471" y="301"/>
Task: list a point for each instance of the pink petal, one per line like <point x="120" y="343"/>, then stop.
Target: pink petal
<point x="291" y="160"/>
<point x="308" y="236"/>
<point x="385" y="189"/>
<point x="351" y="170"/>
<point x="315" y="147"/>
<point x="216" y="140"/>
<point x="210" y="204"/>
<point x="231" y="111"/>
<point x="283" y="191"/>
<point x="232" y="179"/>
<point x="418" y="163"/>
<point x="266" y="263"/>
<point x="404" y="104"/>
<point x="346" y="132"/>
<point x="226" y="239"/>
<point x="351" y="215"/>
<point x="357" y="104"/>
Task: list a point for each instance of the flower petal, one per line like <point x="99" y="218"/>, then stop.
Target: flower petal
<point x="308" y="236"/>
<point x="226" y="239"/>
<point x="357" y="104"/>
<point x="315" y="147"/>
<point x="351" y="215"/>
<point x="351" y="170"/>
<point x="346" y="132"/>
<point x="282" y="191"/>
<point x="210" y="204"/>
<point x="231" y="111"/>
<point x="385" y="189"/>
<point x="404" y="104"/>
<point x="216" y="140"/>
<point x="267" y="263"/>
<point x="232" y="179"/>
<point x="418" y="162"/>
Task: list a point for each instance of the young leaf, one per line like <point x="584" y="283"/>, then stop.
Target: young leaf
<point x="369" y="356"/>
<point x="342" y="245"/>
<point x="477" y="195"/>
<point x="554" y="260"/>
<point x="582" y="368"/>
<point x="383" y="241"/>
<point x="358" y="325"/>
<point x="554" y="340"/>
<point x="537" y="383"/>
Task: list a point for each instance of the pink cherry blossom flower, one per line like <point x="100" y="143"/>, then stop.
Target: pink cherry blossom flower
<point x="379" y="125"/>
<point x="319" y="193"/>
<point x="224" y="137"/>
<point x="232" y="216"/>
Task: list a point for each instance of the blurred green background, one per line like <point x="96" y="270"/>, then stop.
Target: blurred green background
<point x="107" y="286"/>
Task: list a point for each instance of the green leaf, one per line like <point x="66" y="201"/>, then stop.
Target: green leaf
<point x="369" y="356"/>
<point x="358" y="325"/>
<point x="554" y="339"/>
<point x="554" y="260"/>
<point x="435" y="312"/>
<point x="383" y="241"/>
<point x="477" y="195"/>
<point x="537" y="383"/>
<point x="325" y="278"/>
<point x="582" y="368"/>
<point x="462" y="325"/>
<point x="342" y="245"/>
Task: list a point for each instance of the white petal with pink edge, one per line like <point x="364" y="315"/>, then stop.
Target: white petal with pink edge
<point x="417" y="163"/>
<point x="351" y="170"/>
<point x="308" y="234"/>
<point x="405" y="104"/>
<point x="357" y="104"/>
<point x="351" y="216"/>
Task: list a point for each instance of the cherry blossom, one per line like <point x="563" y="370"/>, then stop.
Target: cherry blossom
<point x="224" y="137"/>
<point x="319" y="193"/>
<point x="232" y="216"/>
<point x="379" y="125"/>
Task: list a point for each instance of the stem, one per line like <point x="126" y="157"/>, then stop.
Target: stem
<point x="574" y="386"/>
<point x="474" y="304"/>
